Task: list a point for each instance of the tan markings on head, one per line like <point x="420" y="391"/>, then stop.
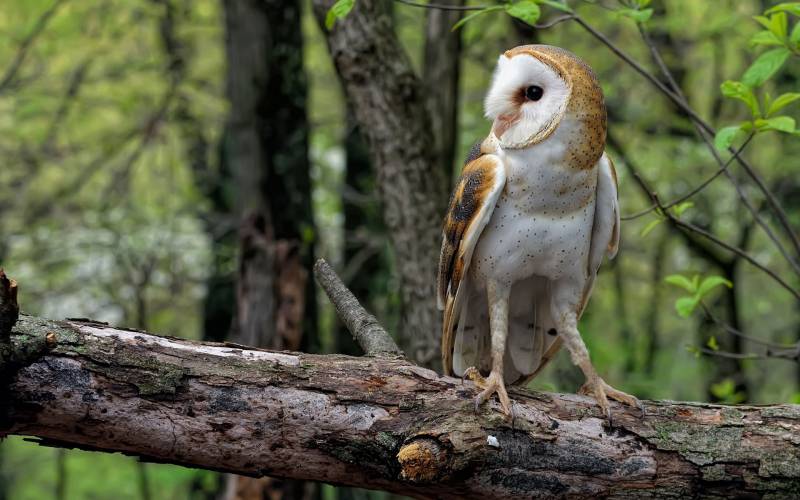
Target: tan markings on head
<point x="585" y="103"/>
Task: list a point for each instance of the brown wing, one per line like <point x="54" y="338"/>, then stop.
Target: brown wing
<point x="471" y="205"/>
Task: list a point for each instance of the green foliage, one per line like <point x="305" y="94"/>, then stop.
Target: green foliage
<point x="339" y="10"/>
<point x="525" y="10"/>
<point x="696" y="290"/>
<point x="775" y="34"/>
<point x="725" y="391"/>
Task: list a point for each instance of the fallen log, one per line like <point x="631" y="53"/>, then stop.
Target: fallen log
<point x="374" y="422"/>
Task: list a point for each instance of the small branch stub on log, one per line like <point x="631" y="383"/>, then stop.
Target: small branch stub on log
<point x="370" y="335"/>
<point x="9" y="309"/>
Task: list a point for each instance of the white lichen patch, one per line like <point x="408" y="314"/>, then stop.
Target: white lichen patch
<point x="492" y="441"/>
<point x="145" y="339"/>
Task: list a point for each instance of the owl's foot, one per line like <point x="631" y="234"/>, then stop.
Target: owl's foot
<point x="601" y="391"/>
<point x="490" y="385"/>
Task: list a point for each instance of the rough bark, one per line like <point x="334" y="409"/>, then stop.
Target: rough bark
<point x="379" y="423"/>
<point x="266" y="146"/>
<point x="388" y="103"/>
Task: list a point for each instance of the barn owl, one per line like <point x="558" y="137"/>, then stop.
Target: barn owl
<point x="529" y="222"/>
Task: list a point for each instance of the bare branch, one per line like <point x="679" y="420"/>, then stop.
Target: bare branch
<point x="712" y="148"/>
<point x="370" y="335"/>
<point x="22" y="51"/>
<point x="694" y="191"/>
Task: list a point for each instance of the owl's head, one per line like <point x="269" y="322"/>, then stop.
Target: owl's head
<point x="537" y="87"/>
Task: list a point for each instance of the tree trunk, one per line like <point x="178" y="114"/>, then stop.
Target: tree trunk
<point x="441" y="71"/>
<point x="266" y="146"/>
<point x="388" y="102"/>
<point x="379" y="423"/>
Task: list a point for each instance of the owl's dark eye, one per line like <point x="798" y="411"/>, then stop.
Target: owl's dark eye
<point x="534" y="93"/>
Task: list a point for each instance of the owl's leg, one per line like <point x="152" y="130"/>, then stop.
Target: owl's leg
<point x="567" y="321"/>
<point x="498" y="325"/>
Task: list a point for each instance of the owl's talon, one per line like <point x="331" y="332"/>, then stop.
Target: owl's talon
<point x="492" y="385"/>
<point x="601" y="391"/>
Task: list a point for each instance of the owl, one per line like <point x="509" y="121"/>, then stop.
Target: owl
<point x="529" y="223"/>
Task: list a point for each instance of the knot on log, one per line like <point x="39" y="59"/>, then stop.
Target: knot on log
<point x="422" y="460"/>
<point x="9" y="309"/>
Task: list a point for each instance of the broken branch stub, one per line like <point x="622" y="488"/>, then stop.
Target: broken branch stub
<point x="367" y="332"/>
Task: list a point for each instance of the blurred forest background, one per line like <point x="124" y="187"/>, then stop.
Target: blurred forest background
<point x="177" y="165"/>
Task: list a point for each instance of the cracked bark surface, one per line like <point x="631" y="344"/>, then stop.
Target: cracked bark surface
<point x="380" y="423"/>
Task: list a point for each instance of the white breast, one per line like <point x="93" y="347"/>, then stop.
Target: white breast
<point x="542" y="223"/>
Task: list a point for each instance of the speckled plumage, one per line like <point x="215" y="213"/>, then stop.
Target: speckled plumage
<point x="519" y="258"/>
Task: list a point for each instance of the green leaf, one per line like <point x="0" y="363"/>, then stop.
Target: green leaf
<point x="712" y="343"/>
<point x="779" y="123"/>
<point x="642" y="3"/>
<point x="779" y="25"/>
<point x="782" y="100"/>
<point x="557" y="5"/>
<point x="765" y="38"/>
<point x="790" y="7"/>
<point x="795" y="36"/>
<point x="680" y="281"/>
<point x="795" y="399"/>
<point x="765" y="66"/>
<point x="725" y="137"/>
<point x="763" y="21"/>
<point x="682" y="207"/>
<point x="640" y="16"/>
<point x="740" y="91"/>
<point x="709" y="284"/>
<point x="694" y="350"/>
<point x="649" y="227"/>
<point x="526" y="10"/>
<point x="339" y="10"/>
<point x="472" y="16"/>
<point x="685" y="306"/>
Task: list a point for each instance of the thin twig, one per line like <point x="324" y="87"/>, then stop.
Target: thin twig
<point x="370" y="335"/>
<point x="683" y="106"/>
<point x="654" y="52"/>
<point x="22" y="51"/>
<point x="694" y="191"/>
<point x="733" y="331"/>
<point x="439" y="6"/>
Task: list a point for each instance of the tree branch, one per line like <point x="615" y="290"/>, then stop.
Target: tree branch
<point x="370" y="335"/>
<point x="379" y="423"/>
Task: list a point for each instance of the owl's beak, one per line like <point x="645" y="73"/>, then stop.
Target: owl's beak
<point x="503" y="122"/>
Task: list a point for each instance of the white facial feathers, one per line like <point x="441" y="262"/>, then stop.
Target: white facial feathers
<point x="518" y="120"/>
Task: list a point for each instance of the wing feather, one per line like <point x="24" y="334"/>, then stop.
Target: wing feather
<point x="471" y="206"/>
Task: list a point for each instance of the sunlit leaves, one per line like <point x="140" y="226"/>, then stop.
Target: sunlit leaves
<point x="726" y="136"/>
<point x="557" y="5"/>
<point x="726" y="392"/>
<point x="339" y="10"/>
<point x="640" y="16"/>
<point x="782" y="101"/>
<point x="696" y="289"/>
<point x="650" y="226"/>
<point x="526" y="10"/>
<point x="766" y="65"/>
<point x="682" y="207"/>
<point x="740" y="91"/>
<point x="790" y="7"/>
